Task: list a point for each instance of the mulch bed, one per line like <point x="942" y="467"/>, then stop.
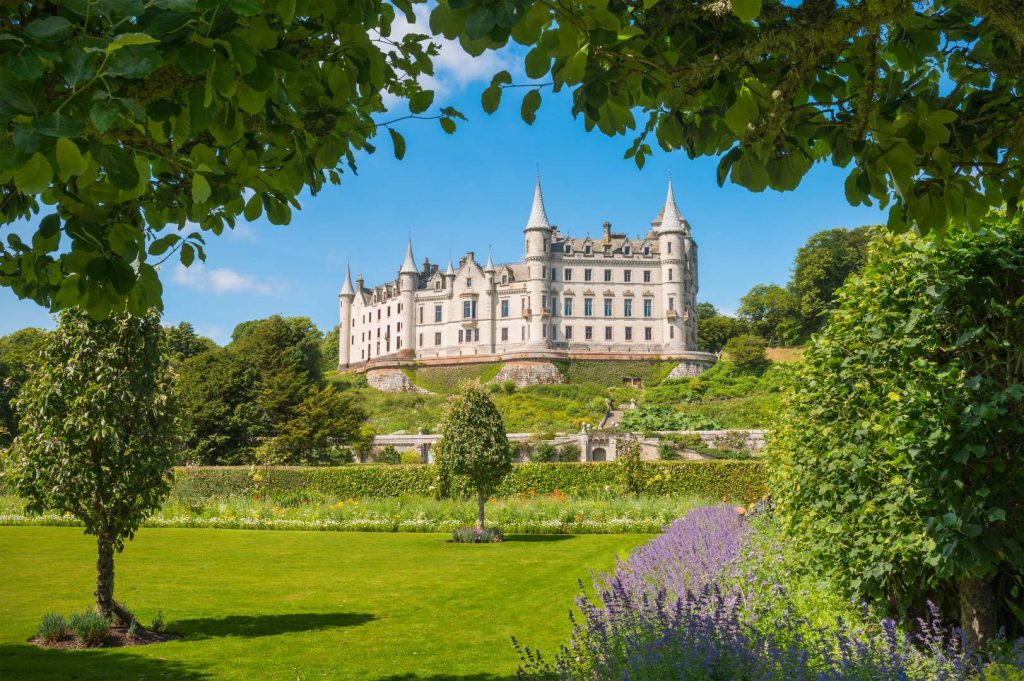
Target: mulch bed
<point x="117" y="638"/>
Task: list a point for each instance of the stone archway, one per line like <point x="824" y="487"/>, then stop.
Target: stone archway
<point x="598" y="454"/>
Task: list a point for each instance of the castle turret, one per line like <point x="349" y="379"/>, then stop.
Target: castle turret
<point x="408" y="281"/>
<point x="672" y="241"/>
<point x="538" y="237"/>
<point x="345" y="298"/>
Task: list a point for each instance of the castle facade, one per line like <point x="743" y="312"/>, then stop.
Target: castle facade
<point x="609" y="297"/>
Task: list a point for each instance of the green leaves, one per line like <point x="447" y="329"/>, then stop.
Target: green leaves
<point x="742" y="112"/>
<point x="70" y="159"/>
<point x="531" y="102"/>
<point x="398" y="142"/>
<point x="49" y="28"/>
<point x="34" y="176"/>
<point x="200" y="189"/>
<point x="491" y="97"/>
<point x="746" y="10"/>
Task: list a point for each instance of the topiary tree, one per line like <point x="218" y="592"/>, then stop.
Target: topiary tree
<point x="628" y="458"/>
<point x="473" y="444"/>
<point x="95" y="435"/>
<point x="898" y="464"/>
<point x="747" y="352"/>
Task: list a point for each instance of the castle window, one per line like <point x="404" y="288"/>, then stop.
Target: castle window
<point x="421" y="319"/>
<point x="476" y="334"/>
<point x="543" y="302"/>
<point x="421" y="340"/>
<point x="568" y="306"/>
<point x="553" y="273"/>
<point x="670" y="275"/>
<point x="647" y="333"/>
<point x="588" y="275"/>
<point x="627" y="307"/>
<point x="389" y="310"/>
<point x="586" y="249"/>
<point x="671" y="303"/>
<point x="461" y="333"/>
<point x="504" y="277"/>
<point x="437" y="339"/>
<point x="554" y="306"/>
<point x="378" y="314"/>
<point x="669" y="246"/>
<point x="568" y="274"/>
<point x="522" y="332"/>
<point x="504" y="307"/>
<point x="437" y="313"/>
<point x="648" y="304"/>
<point x="607" y="333"/>
<point x="469" y="282"/>
<point x="588" y="307"/>
<point x="629" y="333"/>
<point x="544" y="332"/>
<point x="647" y="250"/>
<point x="554" y="332"/>
<point x="568" y="333"/>
<point x="469" y="309"/>
<point x="627" y="276"/>
<point x="607" y="307"/>
<point x="437" y="285"/>
<point x="671" y="332"/>
<point x="504" y="333"/>
<point x="647" y="276"/>
<point x="543" y="272"/>
<point x="626" y="250"/>
<point x="588" y="333"/>
<point x="607" y="275"/>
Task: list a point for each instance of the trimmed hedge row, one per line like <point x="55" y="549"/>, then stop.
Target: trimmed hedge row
<point x="738" y="481"/>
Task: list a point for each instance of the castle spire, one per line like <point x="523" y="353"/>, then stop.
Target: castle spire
<point x="489" y="267"/>
<point x="670" y="218"/>
<point x="538" y="216"/>
<point x="346" y="289"/>
<point x="409" y="266"/>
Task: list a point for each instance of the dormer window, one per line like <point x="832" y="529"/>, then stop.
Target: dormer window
<point x="647" y="250"/>
<point x="586" y="249"/>
<point x="469" y="282"/>
<point x="626" y="250"/>
<point x="504" y="277"/>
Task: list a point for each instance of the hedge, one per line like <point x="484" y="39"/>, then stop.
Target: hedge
<point x="738" y="481"/>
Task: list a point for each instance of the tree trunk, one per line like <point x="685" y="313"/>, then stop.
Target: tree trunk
<point x="105" y="576"/>
<point x="977" y="612"/>
<point x="480" y="499"/>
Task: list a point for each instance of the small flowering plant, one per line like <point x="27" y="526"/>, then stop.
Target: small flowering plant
<point x="476" y="535"/>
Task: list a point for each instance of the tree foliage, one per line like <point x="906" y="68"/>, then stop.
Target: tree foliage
<point x="820" y="268"/>
<point x="714" y="329"/>
<point x="771" y="311"/>
<point x="135" y="128"/>
<point x="96" y="436"/>
<point x="183" y="342"/>
<point x="898" y="463"/>
<point x="747" y="352"/>
<point x="473" y="444"/>
<point x="325" y="421"/>
<point x="19" y="352"/>
<point x="919" y="100"/>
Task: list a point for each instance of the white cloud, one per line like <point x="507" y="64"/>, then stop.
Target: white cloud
<point x="242" y="231"/>
<point x="454" y="68"/>
<point x="221" y="280"/>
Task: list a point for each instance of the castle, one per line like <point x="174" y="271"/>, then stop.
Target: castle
<point x="571" y="298"/>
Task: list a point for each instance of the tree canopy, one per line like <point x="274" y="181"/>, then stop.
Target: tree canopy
<point x="919" y="100"/>
<point x="897" y="464"/>
<point x="130" y="129"/>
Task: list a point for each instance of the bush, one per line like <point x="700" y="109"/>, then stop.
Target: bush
<point x="632" y="476"/>
<point x="475" y="535"/>
<point x="611" y="374"/>
<point x="569" y="452"/>
<point x="648" y="418"/>
<point x="388" y="455"/>
<point x="667" y="451"/>
<point x="509" y="387"/>
<point x="543" y="452"/>
<point x="158" y="622"/>
<point x="53" y="628"/>
<point x="730" y="480"/>
<point x="410" y="456"/>
<point x="91" y="628"/>
<point x="747" y="351"/>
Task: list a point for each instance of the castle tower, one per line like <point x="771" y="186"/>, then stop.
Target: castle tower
<point x="488" y="306"/>
<point x="408" y="282"/>
<point x="345" y="297"/>
<point x="672" y="241"/>
<point x="538" y="238"/>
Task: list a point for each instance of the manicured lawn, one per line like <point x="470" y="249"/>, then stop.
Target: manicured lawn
<point x="300" y="605"/>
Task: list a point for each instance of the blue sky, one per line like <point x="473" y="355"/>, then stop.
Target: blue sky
<point x="472" y="191"/>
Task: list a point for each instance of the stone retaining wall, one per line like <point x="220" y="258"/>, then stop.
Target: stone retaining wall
<point x="392" y="381"/>
<point x="526" y="373"/>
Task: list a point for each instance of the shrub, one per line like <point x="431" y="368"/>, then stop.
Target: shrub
<point x="543" y="452"/>
<point x="668" y="451"/>
<point x="158" y="622"/>
<point x="53" y="628"/>
<point x="569" y="452"/>
<point x="509" y="387"/>
<point x="648" y="418"/>
<point x="409" y="456"/>
<point x="91" y="628"/>
<point x="747" y="351"/>
<point x="477" y="535"/>
<point x="632" y="476"/>
<point x="388" y="455"/>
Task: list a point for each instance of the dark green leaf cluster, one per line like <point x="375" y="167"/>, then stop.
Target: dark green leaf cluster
<point x="96" y="436"/>
<point x="747" y="352"/>
<point x="138" y="127"/>
<point x="898" y="463"/>
<point x="19" y="352"/>
<point x="919" y="100"/>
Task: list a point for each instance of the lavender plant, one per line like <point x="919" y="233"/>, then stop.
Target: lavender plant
<point x="682" y="607"/>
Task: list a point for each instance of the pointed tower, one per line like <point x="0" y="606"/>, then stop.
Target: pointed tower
<point x="538" y="239"/>
<point x="672" y="246"/>
<point x="345" y="298"/>
<point x="408" y="282"/>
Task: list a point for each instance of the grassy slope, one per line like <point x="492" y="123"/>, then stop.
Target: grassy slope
<point x="299" y="605"/>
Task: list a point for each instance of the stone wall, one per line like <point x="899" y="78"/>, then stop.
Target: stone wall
<point x="392" y="381"/>
<point x="689" y="368"/>
<point x="524" y="373"/>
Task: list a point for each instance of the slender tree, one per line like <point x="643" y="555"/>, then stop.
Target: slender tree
<point x="95" y="436"/>
<point x="473" y="444"/>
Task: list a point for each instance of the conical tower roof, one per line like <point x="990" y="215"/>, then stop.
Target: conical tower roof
<point x="409" y="266"/>
<point x="489" y="267"/>
<point x="450" y="271"/>
<point x="538" y="216"/>
<point x="346" y="288"/>
<point x="670" y="218"/>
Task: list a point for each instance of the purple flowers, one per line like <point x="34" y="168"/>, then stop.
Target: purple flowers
<point x="681" y="607"/>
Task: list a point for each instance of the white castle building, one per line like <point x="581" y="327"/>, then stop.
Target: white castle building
<point x="613" y="297"/>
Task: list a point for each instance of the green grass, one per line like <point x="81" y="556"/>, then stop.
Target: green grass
<point x="611" y="374"/>
<point x="446" y="380"/>
<point x="299" y="605"/>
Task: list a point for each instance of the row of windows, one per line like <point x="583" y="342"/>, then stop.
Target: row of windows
<point x="469" y="308"/>
<point x="588" y="333"/>
<point x="587" y="250"/>
<point x="588" y="275"/>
